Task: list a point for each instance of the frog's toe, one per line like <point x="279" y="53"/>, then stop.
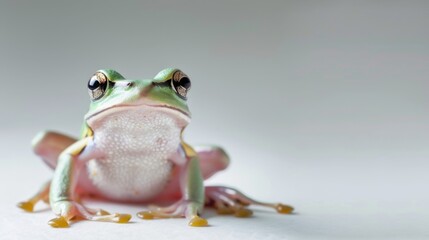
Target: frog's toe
<point x="59" y="222"/>
<point x="236" y="209"/>
<point x="123" y="218"/>
<point x="283" y="208"/>
<point x="147" y="215"/>
<point x="222" y="210"/>
<point x="26" y="206"/>
<point x="197" y="221"/>
<point x="243" y="212"/>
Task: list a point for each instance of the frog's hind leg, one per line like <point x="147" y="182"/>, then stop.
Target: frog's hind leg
<point x="228" y="200"/>
<point x="212" y="159"/>
<point x="225" y="199"/>
<point x="47" y="145"/>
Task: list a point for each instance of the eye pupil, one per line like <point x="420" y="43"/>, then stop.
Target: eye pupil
<point x="185" y="82"/>
<point x="93" y="83"/>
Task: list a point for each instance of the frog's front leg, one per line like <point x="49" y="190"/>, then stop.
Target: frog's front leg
<point x="62" y="197"/>
<point x="192" y="188"/>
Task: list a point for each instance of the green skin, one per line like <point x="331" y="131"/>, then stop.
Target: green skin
<point x="68" y="156"/>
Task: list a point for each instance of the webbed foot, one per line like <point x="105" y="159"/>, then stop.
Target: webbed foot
<point x="69" y="210"/>
<point x="182" y="208"/>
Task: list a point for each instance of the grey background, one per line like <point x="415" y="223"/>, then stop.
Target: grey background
<point x="321" y="104"/>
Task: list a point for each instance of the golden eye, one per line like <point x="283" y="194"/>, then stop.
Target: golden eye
<point x="97" y="85"/>
<point x="180" y="83"/>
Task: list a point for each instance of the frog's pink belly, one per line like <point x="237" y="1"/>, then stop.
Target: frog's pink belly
<point x="129" y="178"/>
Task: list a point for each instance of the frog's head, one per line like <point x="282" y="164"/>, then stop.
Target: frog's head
<point x="111" y="93"/>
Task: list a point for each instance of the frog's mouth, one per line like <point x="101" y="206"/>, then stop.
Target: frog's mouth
<point x="113" y="108"/>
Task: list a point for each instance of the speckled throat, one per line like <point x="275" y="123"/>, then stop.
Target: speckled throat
<point x="137" y="142"/>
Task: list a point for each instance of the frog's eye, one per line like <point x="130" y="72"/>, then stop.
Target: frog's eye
<point x="97" y="85"/>
<point x="180" y="83"/>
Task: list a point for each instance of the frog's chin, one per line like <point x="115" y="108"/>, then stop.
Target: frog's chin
<point x="94" y="117"/>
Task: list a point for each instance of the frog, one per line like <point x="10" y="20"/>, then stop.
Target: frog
<point x="131" y="150"/>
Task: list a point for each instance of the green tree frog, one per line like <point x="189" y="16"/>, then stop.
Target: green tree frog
<point x="131" y="149"/>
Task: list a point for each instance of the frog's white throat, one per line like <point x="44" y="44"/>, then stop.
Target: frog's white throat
<point x="136" y="143"/>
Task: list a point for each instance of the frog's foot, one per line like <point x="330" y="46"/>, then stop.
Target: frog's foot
<point x="183" y="208"/>
<point x="42" y="195"/>
<point x="69" y="211"/>
<point x="228" y="200"/>
<point x="226" y="204"/>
